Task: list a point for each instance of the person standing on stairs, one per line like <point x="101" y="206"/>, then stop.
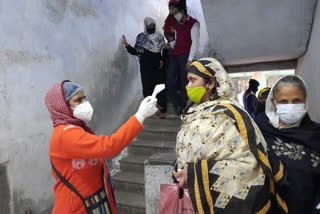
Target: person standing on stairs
<point x="185" y="48"/>
<point x="170" y="22"/>
<point x="77" y="154"/>
<point x="148" y="48"/>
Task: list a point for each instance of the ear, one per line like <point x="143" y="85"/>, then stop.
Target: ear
<point x="273" y="101"/>
<point x="211" y="84"/>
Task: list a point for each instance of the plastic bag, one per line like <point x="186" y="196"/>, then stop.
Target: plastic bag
<point x="172" y="203"/>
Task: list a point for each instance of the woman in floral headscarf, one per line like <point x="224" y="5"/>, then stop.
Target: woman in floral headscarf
<point x="295" y="140"/>
<point x="148" y="48"/>
<point x="221" y="154"/>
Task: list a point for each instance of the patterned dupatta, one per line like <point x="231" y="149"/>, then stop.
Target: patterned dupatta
<point x="229" y="169"/>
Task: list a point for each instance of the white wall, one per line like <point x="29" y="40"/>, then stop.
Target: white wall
<point x="309" y="69"/>
<point x="196" y="11"/>
<point x="43" y="42"/>
<point x="252" y="31"/>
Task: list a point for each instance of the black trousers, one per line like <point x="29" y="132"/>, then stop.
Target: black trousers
<point x="177" y="70"/>
<point x="150" y="77"/>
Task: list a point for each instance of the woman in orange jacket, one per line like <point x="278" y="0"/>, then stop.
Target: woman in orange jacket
<point x="77" y="154"/>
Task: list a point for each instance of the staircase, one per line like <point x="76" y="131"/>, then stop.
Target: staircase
<point x="158" y="135"/>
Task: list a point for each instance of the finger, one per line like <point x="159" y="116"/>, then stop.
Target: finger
<point x="178" y="174"/>
<point x="153" y="100"/>
<point x="155" y="110"/>
<point x="152" y="104"/>
<point x="181" y="183"/>
<point x="148" y="98"/>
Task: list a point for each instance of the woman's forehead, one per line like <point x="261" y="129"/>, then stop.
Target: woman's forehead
<point x="79" y="93"/>
<point x="151" y="25"/>
<point x="192" y="75"/>
<point x="289" y="90"/>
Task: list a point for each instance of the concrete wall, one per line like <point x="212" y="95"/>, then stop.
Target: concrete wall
<point x="158" y="170"/>
<point x="309" y="69"/>
<point x="252" y="31"/>
<point x="43" y="42"/>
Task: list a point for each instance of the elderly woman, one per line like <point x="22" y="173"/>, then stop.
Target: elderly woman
<point x="77" y="154"/>
<point x="148" y="48"/>
<point x="295" y="139"/>
<point x="221" y="154"/>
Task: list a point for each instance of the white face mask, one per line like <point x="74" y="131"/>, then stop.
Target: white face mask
<point x="178" y="17"/>
<point x="83" y="111"/>
<point x="291" y="113"/>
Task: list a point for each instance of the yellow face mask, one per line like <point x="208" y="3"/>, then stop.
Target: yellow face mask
<point x="195" y="94"/>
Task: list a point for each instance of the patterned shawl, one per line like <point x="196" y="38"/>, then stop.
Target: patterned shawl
<point x="229" y="170"/>
<point x="152" y="42"/>
<point x="61" y="114"/>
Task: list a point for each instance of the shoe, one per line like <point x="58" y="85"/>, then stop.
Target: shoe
<point x="161" y="115"/>
<point x="179" y="110"/>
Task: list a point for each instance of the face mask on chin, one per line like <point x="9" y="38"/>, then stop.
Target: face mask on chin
<point x="195" y="94"/>
<point x="83" y="111"/>
<point x="178" y="17"/>
<point x="290" y="114"/>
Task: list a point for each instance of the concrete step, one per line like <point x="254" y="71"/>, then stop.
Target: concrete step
<point x="156" y="122"/>
<point x="166" y="129"/>
<point x="130" y="203"/>
<point x="129" y="182"/>
<point x="151" y="135"/>
<point x="150" y="147"/>
<point x="169" y="116"/>
<point x="158" y="143"/>
<point x="158" y="135"/>
<point x="124" y="209"/>
<point x="133" y="163"/>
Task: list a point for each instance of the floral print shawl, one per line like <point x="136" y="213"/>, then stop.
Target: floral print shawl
<point x="229" y="170"/>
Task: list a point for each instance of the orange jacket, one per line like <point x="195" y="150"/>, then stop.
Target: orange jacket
<point x="76" y="154"/>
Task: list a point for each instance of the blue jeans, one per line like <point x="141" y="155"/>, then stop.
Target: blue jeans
<point x="177" y="70"/>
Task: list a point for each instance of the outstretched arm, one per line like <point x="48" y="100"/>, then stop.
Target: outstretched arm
<point x="129" y="48"/>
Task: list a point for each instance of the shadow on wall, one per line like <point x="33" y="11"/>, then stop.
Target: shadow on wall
<point x="111" y="90"/>
<point x="4" y="189"/>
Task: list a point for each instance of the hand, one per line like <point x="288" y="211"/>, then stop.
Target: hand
<point x="188" y="64"/>
<point x="124" y="40"/>
<point x="147" y="108"/>
<point x="172" y="30"/>
<point x="183" y="176"/>
<point x="167" y="46"/>
<point x="161" y="64"/>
